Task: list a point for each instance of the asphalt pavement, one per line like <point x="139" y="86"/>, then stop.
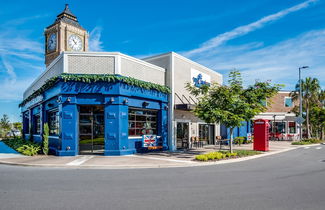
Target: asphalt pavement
<point x="289" y="180"/>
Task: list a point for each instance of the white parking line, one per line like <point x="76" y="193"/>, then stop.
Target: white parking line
<point x="318" y="147"/>
<point x="79" y="161"/>
<point x="306" y="147"/>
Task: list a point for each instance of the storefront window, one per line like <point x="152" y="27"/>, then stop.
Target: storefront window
<point x="292" y="127"/>
<point x="53" y="122"/>
<point x="142" y="122"/>
<point x="280" y="127"/>
<point x="26" y="122"/>
<point x="206" y="133"/>
<point x="37" y="124"/>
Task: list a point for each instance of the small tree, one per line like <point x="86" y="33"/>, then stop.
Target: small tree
<point x="5" y="124"/>
<point x="46" y="139"/>
<point x="231" y="105"/>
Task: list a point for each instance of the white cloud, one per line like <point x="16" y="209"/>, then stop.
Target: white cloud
<point x="19" y="56"/>
<point x="245" y="29"/>
<point x="95" y="44"/>
<point x="278" y="62"/>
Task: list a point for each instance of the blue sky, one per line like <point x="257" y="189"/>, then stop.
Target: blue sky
<point x="264" y="39"/>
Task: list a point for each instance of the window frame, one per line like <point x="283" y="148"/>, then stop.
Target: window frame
<point x="295" y="127"/>
<point x="57" y="122"/>
<point x="135" y="121"/>
<point x="36" y="124"/>
<point x="285" y="98"/>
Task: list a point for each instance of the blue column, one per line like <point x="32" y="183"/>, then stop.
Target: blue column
<point x="163" y="126"/>
<point x="69" y="127"/>
<point x="41" y="114"/>
<point x="116" y="127"/>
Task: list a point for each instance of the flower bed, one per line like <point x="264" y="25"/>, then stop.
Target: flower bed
<point x="222" y="155"/>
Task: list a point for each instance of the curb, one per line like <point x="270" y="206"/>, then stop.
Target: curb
<point x="194" y="164"/>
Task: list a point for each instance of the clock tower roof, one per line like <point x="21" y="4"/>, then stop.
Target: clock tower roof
<point x="68" y="17"/>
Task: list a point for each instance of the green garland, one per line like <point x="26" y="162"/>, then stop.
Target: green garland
<point x="88" y="78"/>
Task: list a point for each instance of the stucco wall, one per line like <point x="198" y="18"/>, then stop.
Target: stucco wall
<point x="142" y="71"/>
<point x="276" y="103"/>
<point x="182" y="75"/>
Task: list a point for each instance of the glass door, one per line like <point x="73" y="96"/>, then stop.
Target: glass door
<point x="182" y="135"/>
<point x="91" y="130"/>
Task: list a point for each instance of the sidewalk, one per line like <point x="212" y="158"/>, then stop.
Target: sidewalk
<point x="146" y="160"/>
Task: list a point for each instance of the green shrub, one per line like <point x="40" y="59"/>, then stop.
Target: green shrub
<point x="29" y="150"/>
<point x="225" y="154"/>
<point x="228" y="154"/>
<point x="239" y="140"/>
<point x="243" y="153"/>
<point x="307" y="141"/>
<point x="201" y="158"/>
<point x="22" y="146"/>
<point x="46" y="139"/>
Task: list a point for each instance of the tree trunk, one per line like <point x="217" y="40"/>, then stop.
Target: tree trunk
<point x="231" y="138"/>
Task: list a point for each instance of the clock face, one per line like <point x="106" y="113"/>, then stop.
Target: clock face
<point x="75" y="42"/>
<point x="51" y="42"/>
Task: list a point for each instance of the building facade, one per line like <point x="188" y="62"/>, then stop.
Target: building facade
<point x="110" y="103"/>
<point x="184" y="126"/>
<point x="283" y="125"/>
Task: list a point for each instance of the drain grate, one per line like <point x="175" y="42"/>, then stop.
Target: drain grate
<point x="322" y="161"/>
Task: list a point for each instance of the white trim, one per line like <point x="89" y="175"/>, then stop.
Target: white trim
<point x="135" y="137"/>
<point x="118" y="69"/>
<point x="65" y="63"/>
<point x="54" y="137"/>
<point x="172" y="143"/>
<point x="184" y="59"/>
<point x="104" y="54"/>
<point x="157" y="56"/>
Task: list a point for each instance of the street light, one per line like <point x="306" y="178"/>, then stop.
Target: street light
<point x="273" y="127"/>
<point x="300" y="102"/>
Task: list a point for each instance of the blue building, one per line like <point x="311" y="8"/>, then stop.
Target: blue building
<point x="110" y="103"/>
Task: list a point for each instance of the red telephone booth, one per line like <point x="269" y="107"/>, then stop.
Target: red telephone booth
<point x="261" y="135"/>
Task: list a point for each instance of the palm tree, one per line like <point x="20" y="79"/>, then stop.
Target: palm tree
<point x="310" y="95"/>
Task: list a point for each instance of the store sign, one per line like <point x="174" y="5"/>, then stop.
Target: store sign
<point x="150" y="142"/>
<point x="249" y="136"/>
<point x="199" y="78"/>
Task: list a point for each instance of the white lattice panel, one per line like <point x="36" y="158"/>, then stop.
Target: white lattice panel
<point x="82" y="64"/>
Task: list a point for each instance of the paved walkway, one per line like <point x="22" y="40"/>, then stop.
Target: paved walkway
<point x="147" y="160"/>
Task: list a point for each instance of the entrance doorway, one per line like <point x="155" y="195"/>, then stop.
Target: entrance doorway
<point x="206" y="133"/>
<point x="91" y="130"/>
<point x="182" y="135"/>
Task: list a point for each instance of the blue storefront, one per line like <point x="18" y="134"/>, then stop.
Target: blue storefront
<point x="106" y="116"/>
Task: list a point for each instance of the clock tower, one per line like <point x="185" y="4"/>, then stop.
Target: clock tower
<point x="65" y="34"/>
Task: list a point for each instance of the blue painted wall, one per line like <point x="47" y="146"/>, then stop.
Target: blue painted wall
<point x="238" y="131"/>
<point x="116" y="98"/>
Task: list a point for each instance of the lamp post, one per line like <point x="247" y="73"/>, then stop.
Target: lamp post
<point x="273" y="127"/>
<point x="300" y="102"/>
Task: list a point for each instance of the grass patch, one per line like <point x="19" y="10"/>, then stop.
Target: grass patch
<point x="22" y="146"/>
<point x="307" y="141"/>
<point x="221" y="155"/>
